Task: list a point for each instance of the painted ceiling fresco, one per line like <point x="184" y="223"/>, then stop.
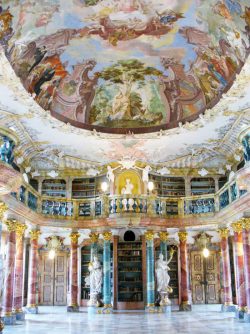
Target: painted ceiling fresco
<point x="135" y="65"/>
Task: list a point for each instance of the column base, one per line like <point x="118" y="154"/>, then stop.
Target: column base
<point x="106" y="309"/>
<point x="185" y="307"/>
<point x="240" y="313"/>
<point x="163" y="309"/>
<point x="73" y="308"/>
<point x="31" y="309"/>
<point x="20" y="315"/>
<point x="1" y="326"/>
<point x="9" y="319"/>
<point x="247" y="317"/>
<point x="151" y="308"/>
<point x="228" y="308"/>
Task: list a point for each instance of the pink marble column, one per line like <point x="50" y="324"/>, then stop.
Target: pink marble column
<point x="239" y="270"/>
<point x="32" y="306"/>
<point x="73" y="276"/>
<point x="227" y="306"/>
<point x="3" y="209"/>
<point x="246" y="247"/>
<point x="185" y="296"/>
<point x="18" y="286"/>
<point x="7" y="314"/>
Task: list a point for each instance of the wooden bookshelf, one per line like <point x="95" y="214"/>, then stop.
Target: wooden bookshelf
<point x="54" y="188"/>
<point x="168" y="186"/>
<point x="130" y="275"/>
<point x="85" y="259"/>
<point x="202" y="186"/>
<point x="87" y="187"/>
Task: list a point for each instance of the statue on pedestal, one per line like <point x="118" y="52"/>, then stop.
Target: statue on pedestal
<point x="94" y="281"/>
<point x="163" y="278"/>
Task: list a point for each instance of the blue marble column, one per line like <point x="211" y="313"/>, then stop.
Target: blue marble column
<point x="149" y="235"/>
<point x="163" y="245"/>
<point x="246" y="147"/>
<point x="107" y="273"/>
<point x="94" y="244"/>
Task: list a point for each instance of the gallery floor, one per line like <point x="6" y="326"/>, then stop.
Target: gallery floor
<point x="203" y="319"/>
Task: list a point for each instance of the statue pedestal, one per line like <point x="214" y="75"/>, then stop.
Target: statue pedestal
<point x="73" y="308"/>
<point x="92" y="310"/>
<point x="163" y="309"/>
<point x="247" y="317"/>
<point x="106" y="309"/>
<point x="228" y="308"/>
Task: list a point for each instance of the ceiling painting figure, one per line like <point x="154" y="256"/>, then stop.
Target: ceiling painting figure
<point x="132" y="65"/>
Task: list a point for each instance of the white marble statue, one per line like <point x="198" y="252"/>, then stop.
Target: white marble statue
<point x="127" y="190"/>
<point x="94" y="280"/>
<point x="163" y="278"/>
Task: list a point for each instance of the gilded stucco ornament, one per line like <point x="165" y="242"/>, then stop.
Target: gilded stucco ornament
<point x="74" y="236"/>
<point x="163" y="236"/>
<point x="224" y="232"/>
<point x="35" y="234"/>
<point x="246" y="223"/>
<point x="11" y="225"/>
<point x="237" y="226"/>
<point x="20" y="230"/>
<point x="94" y="237"/>
<point x="182" y="236"/>
<point x="3" y="209"/>
<point x="149" y="235"/>
<point x="107" y="236"/>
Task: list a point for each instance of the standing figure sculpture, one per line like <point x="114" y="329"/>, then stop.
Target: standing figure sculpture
<point x="94" y="281"/>
<point x="163" y="278"/>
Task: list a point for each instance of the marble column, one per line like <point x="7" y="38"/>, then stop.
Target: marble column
<point x="246" y="147"/>
<point x="32" y="306"/>
<point x="227" y="305"/>
<point x="186" y="304"/>
<point x="3" y="209"/>
<point x="239" y="270"/>
<point x="163" y="245"/>
<point x="149" y="236"/>
<point x="246" y="247"/>
<point x="94" y="244"/>
<point x="7" y="300"/>
<point x="107" y="273"/>
<point x="73" y="274"/>
<point x="18" y="285"/>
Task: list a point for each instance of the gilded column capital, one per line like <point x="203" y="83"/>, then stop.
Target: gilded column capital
<point x="237" y="226"/>
<point x="11" y="225"/>
<point x="246" y="223"/>
<point x="74" y="236"/>
<point x="20" y="229"/>
<point x="94" y="237"/>
<point x="34" y="234"/>
<point x="107" y="236"/>
<point x="183" y="236"/>
<point x="149" y="235"/>
<point x="3" y="209"/>
<point x="223" y="232"/>
<point x="163" y="236"/>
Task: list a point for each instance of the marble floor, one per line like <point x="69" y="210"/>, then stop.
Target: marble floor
<point x="202" y="320"/>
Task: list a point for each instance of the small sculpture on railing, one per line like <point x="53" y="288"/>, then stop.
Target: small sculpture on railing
<point x="163" y="278"/>
<point x="94" y="281"/>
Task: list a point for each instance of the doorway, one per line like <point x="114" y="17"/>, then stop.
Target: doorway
<point x="205" y="278"/>
<point x="54" y="279"/>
